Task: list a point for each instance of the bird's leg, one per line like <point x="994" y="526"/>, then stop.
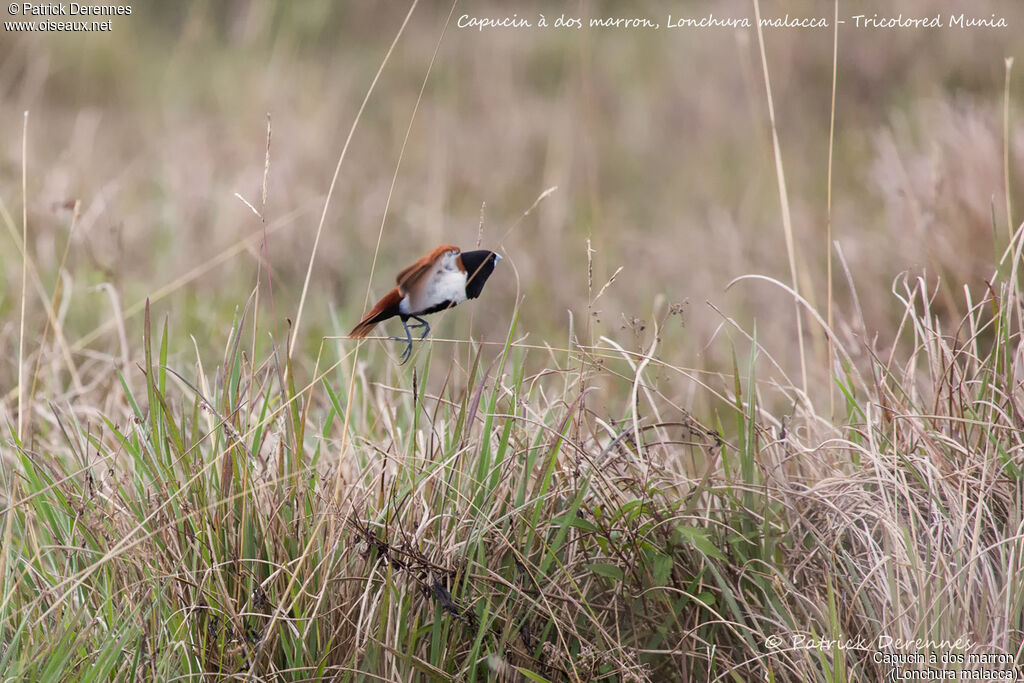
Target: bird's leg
<point x="408" y="342"/>
<point x="420" y="322"/>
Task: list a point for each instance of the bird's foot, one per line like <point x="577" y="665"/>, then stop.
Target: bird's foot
<point x="407" y="351"/>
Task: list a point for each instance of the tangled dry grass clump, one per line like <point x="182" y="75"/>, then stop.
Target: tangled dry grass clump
<point x="507" y="526"/>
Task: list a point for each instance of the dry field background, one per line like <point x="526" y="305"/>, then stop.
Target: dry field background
<point x="180" y="498"/>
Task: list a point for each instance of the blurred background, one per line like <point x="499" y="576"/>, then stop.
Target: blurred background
<point x="658" y="141"/>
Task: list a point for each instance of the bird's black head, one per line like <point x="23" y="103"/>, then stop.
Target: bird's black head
<point x="479" y="265"/>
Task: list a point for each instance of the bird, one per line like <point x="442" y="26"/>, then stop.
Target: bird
<point x="444" y="278"/>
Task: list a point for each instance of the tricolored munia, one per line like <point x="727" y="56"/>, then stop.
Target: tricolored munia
<point x="444" y="278"/>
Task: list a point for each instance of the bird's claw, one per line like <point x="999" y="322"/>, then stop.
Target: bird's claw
<point x="407" y="351"/>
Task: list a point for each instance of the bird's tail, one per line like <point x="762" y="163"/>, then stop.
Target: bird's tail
<point x="385" y="308"/>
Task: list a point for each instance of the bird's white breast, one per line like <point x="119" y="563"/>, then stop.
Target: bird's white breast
<point x="445" y="282"/>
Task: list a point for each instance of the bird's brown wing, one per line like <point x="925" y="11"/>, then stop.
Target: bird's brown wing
<point x="411" y="275"/>
<point x="385" y="308"/>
